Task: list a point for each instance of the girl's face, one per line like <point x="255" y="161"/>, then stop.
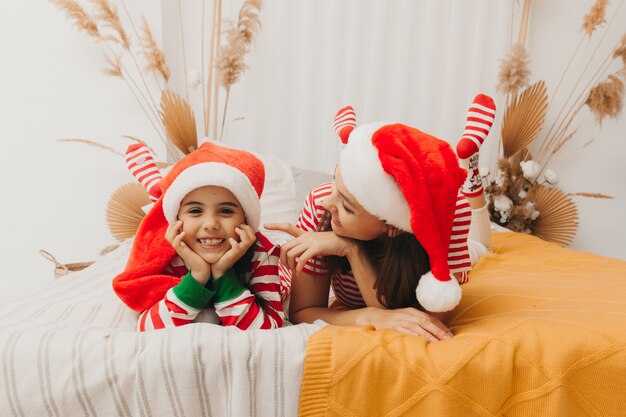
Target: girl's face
<point x="210" y="215"/>
<point x="350" y="219"/>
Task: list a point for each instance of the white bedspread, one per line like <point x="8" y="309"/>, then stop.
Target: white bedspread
<point x="70" y="349"/>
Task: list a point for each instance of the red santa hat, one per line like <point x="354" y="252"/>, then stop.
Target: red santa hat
<point x="143" y="283"/>
<point x="410" y="180"/>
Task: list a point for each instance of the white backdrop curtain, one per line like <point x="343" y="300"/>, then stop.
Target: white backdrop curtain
<point x="418" y="62"/>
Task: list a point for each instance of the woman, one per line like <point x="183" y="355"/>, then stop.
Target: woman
<point x="391" y="228"/>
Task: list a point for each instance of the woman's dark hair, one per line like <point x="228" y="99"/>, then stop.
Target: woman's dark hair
<point x="400" y="262"/>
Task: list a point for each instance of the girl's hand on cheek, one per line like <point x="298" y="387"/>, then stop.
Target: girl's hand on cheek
<point x="237" y="249"/>
<point x="200" y="270"/>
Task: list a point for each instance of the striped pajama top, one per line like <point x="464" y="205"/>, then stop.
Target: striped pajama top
<point x="253" y="301"/>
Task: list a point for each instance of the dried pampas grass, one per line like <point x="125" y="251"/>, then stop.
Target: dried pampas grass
<point x="620" y="53"/>
<point x="558" y="215"/>
<point x="108" y="15"/>
<point x="249" y="21"/>
<point x="514" y="71"/>
<point x="230" y="64"/>
<point x="153" y="54"/>
<point x="124" y="210"/>
<point x="524" y="119"/>
<point x="179" y="121"/>
<point x="114" y="68"/>
<point x="595" y="17"/>
<point x="606" y="98"/>
<point x="77" y="14"/>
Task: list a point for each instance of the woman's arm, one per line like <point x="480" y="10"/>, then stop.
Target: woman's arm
<point x="309" y="302"/>
<point x="364" y="274"/>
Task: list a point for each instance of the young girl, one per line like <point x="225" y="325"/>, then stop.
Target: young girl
<point x="389" y="231"/>
<point x="197" y="255"/>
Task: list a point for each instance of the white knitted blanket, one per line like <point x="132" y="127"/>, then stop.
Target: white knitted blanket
<point x="71" y="349"/>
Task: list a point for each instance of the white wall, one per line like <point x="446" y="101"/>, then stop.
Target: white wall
<point x="51" y="87"/>
<point x="55" y="194"/>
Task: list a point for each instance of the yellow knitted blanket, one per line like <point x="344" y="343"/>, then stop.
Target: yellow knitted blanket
<point x="541" y="331"/>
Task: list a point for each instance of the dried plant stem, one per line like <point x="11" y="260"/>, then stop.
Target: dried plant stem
<point x="92" y="143"/>
<point x="224" y="113"/>
<point x="182" y="41"/>
<point x="524" y="23"/>
<point x="141" y="104"/>
<point x="580" y="43"/>
<point x="559" y="137"/>
<point x="545" y="148"/>
<point x="216" y="91"/>
<point x="594" y="195"/>
<point x="211" y="71"/>
<point x="153" y="115"/>
<point x="143" y="49"/>
<point x="203" y="85"/>
<point x="112" y="19"/>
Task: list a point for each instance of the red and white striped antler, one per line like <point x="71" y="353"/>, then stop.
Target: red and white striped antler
<point x="345" y="122"/>
<point x="141" y="164"/>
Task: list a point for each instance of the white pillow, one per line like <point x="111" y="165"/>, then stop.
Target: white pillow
<point x="278" y="201"/>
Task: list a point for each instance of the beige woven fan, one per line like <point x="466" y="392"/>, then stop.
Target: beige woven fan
<point x="524" y="119"/>
<point x="558" y="215"/>
<point x="124" y="210"/>
<point x="179" y="121"/>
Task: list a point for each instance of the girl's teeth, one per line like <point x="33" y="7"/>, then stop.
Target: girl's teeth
<point x="211" y="242"/>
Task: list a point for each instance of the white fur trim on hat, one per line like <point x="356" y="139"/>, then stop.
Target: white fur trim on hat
<point x="218" y="174"/>
<point x="365" y="178"/>
<point x="438" y="296"/>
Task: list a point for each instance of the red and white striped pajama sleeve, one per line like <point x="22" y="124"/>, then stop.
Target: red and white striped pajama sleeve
<point x="255" y="305"/>
<point x="259" y="306"/>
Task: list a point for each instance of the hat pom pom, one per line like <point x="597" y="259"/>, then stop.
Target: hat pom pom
<point x="438" y="296"/>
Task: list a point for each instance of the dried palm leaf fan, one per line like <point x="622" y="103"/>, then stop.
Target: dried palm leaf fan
<point x="179" y="122"/>
<point x="124" y="210"/>
<point x="524" y="119"/>
<point x="558" y="215"/>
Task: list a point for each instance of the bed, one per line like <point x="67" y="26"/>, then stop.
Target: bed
<point x="541" y="330"/>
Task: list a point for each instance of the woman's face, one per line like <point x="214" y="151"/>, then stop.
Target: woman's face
<point x="350" y="219"/>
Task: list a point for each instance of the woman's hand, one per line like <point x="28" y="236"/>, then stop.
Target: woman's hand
<point x="306" y="245"/>
<point x="236" y="251"/>
<point x="200" y="270"/>
<point x="406" y="320"/>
